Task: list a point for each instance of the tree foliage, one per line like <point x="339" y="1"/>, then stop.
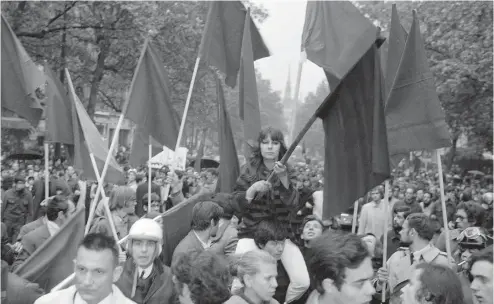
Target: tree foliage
<point x="100" y="42"/>
<point x="458" y="39"/>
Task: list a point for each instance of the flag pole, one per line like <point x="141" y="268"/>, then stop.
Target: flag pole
<point x="293" y="119"/>
<point x="150" y="155"/>
<point x="443" y="206"/>
<point x="354" y="218"/>
<point x="105" y="201"/>
<point x="385" y="236"/>
<point x="47" y="171"/>
<point x="182" y="123"/>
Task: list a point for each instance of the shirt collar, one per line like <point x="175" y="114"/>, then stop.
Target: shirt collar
<point x="204" y="245"/>
<point x="108" y="300"/>
<point x="420" y="253"/>
<point x="52" y="227"/>
<point x="147" y="271"/>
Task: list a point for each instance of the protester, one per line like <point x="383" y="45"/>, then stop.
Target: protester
<point x="394" y="238"/>
<point x="17" y="208"/>
<point x="432" y="283"/>
<point x="96" y="271"/>
<point x="481" y="272"/>
<point x="341" y="268"/>
<point x="145" y="279"/>
<point x="226" y="238"/>
<point x="251" y="191"/>
<point x="313" y="228"/>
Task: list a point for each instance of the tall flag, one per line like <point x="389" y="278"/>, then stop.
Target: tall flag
<point x="53" y="261"/>
<point x="58" y="115"/>
<point x="139" y="151"/>
<point x="229" y="167"/>
<point x="249" y="99"/>
<point x="414" y="117"/>
<point x="20" y="78"/>
<point x="222" y="38"/>
<point x="397" y="40"/>
<point x="335" y="37"/>
<point x="149" y="104"/>
<point x="356" y="148"/>
<point x="87" y="139"/>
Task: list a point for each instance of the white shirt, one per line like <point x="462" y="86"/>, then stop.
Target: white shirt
<point x="204" y="245"/>
<point x="108" y="300"/>
<point x="52" y="227"/>
<point x="147" y="271"/>
<point x="418" y="254"/>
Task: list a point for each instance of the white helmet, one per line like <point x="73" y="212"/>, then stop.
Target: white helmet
<point x="146" y="229"/>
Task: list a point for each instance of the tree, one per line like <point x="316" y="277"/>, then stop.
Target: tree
<point x="458" y="40"/>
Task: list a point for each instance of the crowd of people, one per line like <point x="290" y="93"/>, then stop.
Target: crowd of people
<point x="266" y="242"/>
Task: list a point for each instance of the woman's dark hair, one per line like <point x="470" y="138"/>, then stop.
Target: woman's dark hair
<point x="439" y="285"/>
<point x="276" y="135"/>
<point x="269" y="231"/>
<point x="55" y="205"/>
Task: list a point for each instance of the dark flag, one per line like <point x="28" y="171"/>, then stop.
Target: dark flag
<point x="150" y="103"/>
<point x="222" y="38"/>
<point x="356" y="149"/>
<point x="20" y="78"/>
<point x="335" y="37"/>
<point x="139" y="151"/>
<point x="249" y="99"/>
<point x="414" y="117"/>
<point x="229" y="167"/>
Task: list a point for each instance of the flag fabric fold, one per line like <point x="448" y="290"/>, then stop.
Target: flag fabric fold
<point x="414" y="116"/>
<point x="229" y="169"/>
<point x="52" y="262"/>
<point x="222" y="38"/>
<point x="58" y="115"/>
<point x="335" y="36"/>
<point x="150" y="102"/>
<point x="20" y="78"/>
<point x="139" y="151"/>
<point x="396" y="46"/>
<point x="248" y="99"/>
<point x="356" y="150"/>
<point x="87" y="139"/>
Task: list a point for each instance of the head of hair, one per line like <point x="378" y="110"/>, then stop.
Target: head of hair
<point x="310" y="218"/>
<point x="227" y="202"/>
<point x="203" y="213"/>
<point x="482" y="255"/>
<point x="100" y="242"/>
<point x="276" y="135"/>
<point x="19" y="179"/>
<point x="405" y="209"/>
<point x="250" y="263"/>
<point x="439" y="285"/>
<point x="475" y="212"/>
<point x="269" y="230"/>
<point x="378" y="249"/>
<point x="422" y="224"/>
<point x="120" y="196"/>
<point x="331" y="254"/>
<point x="206" y="274"/>
<point x="55" y="205"/>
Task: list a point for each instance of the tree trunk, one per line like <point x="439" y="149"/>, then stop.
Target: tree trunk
<point x="200" y="151"/>
<point x="18" y="13"/>
<point x="104" y="43"/>
<point x="452" y="153"/>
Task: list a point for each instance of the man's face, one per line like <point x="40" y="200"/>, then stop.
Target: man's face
<point x="19" y="186"/>
<point x="357" y="286"/>
<point x="144" y="252"/>
<point x="155" y="206"/>
<point x="427" y="198"/>
<point x="130" y="206"/>
<point x="396" y="191"/>
<point x="409" y="194"/>
<point x="461" y="221"/>
<point x="405" y="237"/>
<point x="263" y="282"/>
<point x="481" y="285"/>
<point x="15" y="166"/>
<point x="311" y="230"/>
<point x="376" y="196"/>
<point x="398" y="219"/>
<point x="95" y="273"/>
<point x="275" y="248"/>
<point x="420" y="195"/>
<point x="70" y="171"/>
<point x="30" y="172"/>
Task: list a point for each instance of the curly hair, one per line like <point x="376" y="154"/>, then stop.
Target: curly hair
<point x="422" y="224"/>
<point x="331" y="254"/>
<point x="439" y="285"/>
<point x="475" y="212"/>
<point x="207" y="276"/>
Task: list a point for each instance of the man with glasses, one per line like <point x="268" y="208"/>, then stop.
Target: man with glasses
<point x="341" y="268"/>
<point x="58" y="212"/>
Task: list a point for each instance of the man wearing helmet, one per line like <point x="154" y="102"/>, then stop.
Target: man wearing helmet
<point x="145" y="279"/>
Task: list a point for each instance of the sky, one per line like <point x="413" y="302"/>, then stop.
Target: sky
<point x="282" y="32"/>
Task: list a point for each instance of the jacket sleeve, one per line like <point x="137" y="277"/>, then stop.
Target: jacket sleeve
<point x="30" y="208"/>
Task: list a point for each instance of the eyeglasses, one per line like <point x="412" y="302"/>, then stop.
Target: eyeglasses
<point x="472" y="233"/>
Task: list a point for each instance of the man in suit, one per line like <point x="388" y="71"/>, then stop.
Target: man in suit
<point x="205" y="219"/>
<point x="58" y="211"/>
<point x="226" y="239"/>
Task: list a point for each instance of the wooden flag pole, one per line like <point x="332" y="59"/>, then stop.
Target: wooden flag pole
<point x="182" y="123"/>
<point x="150" y="148"/>
<point x="296" y="95"/>
<point x="385" y="236"/>
<point x="354" y="218"/>
<point x="105" y="202"/>
<point x="47" y="171"/>
<point x="443" y="206"/>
